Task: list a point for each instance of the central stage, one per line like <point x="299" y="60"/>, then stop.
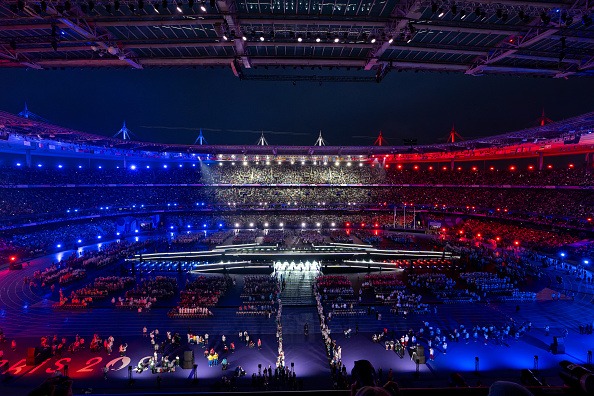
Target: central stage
<point x="333" y="255"/>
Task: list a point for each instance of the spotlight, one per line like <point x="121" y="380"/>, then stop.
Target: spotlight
<point x="336" y="39"/>
<point x="243" y="37"/>
<point x="390" y="40"/>
<point x="178" y="8"/>
<point x="299" y="38"/>
<point x="462" y="14"/>
<point x="373" y="40"/>
<point x="262" y="37"/>
<point x="318" y="38"/>
<point x="441" y="13"/>
<point x="225" y="37"/>
<point x="203" y="7"/>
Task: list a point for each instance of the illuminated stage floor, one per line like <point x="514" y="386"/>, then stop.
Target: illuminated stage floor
<point x="25" y="316"/>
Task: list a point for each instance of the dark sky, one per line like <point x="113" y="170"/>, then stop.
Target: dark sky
<point x="171" y="105"/>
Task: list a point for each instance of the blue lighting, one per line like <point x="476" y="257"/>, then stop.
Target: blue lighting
<point x="60" y="166"/>
<point x="148" y="167"/>
<point x="204" y="225"/>
<point x="58" y="245"/>
<point x="18" y="164"/>
<point x="181" y="166"/>
<point x="586" y="261"/>
<point x="136" y="231"/>
<point x="165" y="166"/>
<point x="220" y="224"/>
<point x="562" y="254"/>
<point x="98" y="236"/>
<point x="68" y="211"/>
<point x="193" y="164"/>
<point x="80" y="167"/>
<point x="39" y="165"/>
<point x="80" y="241"/>
<point x="117" y="233"/>
<point x="202" y="203"/>
<point x="189" y="226"/>
<point x="133" y="167"/>
<point x="99" y="166"/>
<point x="76" y="210"/>
<point x="171" y="227"/>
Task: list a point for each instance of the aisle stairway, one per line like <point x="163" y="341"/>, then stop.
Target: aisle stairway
<point x="298" y="289"/>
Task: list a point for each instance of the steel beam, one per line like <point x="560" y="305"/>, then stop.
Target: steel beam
<point x="405" y="9"/>
<point x="228" y="9"/>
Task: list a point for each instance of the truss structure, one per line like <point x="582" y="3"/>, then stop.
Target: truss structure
<point x="553" y="38"/>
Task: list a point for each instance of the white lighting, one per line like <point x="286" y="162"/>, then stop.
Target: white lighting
<point x="303" y="225"/>
<point x="441" y="14"/>
<point x="267" y="162"/>
<point x="178" y="8"/>
<point x="133" y="167"/>
<point x="349" y="163"/>
<point x="281" y="224"/>
<point x="391" y="40"/>
<point x="202" y="8"/>
<point x="300" y="39"/>
<point x="337" y="163"/>
<point x="333" y="224"/>
<point x="59" y="166"/>
<point x="236" y="225"/>
<point x="265" y="224"/>
<point x="336" y="39"/>
<point x="318" y="224"/>
<point x="245" y="163"/>
<point x="318" y="39"/>
<point x="261" y="38"/>
<point x="251" y="225"/>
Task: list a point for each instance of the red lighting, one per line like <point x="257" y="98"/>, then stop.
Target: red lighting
<point x="478" y="235"/>
<point x="416" y="167"/>
<point x="492" y="168"/>
<point x="362" y="224"/>
<point x="387" y="166"/>
<point x="430" y="168"/>
<point x="512" y="168"/>
<point x="459" y="168"/>
<point x="443" y="229"/>
<point x="399" y="166"/>
<point x="498" y="239"/>
<point x="517" y="243"/>
<point x="12" y="258"/>
<point x="571" y="166"/>
<point x="348" y="224"/>
<point x="549" y="166"/>
<point x="474" y="168"/>
<point x="377" y="225"/>
<point x="461" y="232"/>
<point x="589" y="219"/>
<point x="530" y="167"/>
<point x="445" y="168"/>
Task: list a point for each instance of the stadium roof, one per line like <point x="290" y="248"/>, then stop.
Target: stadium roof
<point x="568" y="137"/>
<point x="539" y="38"/>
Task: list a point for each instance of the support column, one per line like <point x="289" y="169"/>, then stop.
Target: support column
<point x="540" y="161"/>
<point x="125" y="162"/>
<point x="28" y="158"/>
<point x="452" y="165"/>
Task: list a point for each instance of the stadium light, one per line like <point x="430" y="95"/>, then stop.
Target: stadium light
<point x="251" y="225"/>
<point x="80" y="167"/>
<point x="39" y="165"/>
<point x="333" y="224"/>
<point x="165" y="166"/>
<point x="265" y="224"/>
<point x="586" y="261"/>
<point x="18" y="164"/>
<point x="562" y="254"/>
<point x="281" y="224"/>
<point x="60" y="166"/>
<point x="59" y="245"/>
<point x="98" y="236"/>
<point x="132" y="167"/>
<point x="303" y="225"/>
<point x="318" y="225"/>
<point x="337" y="163"/>
<point x="236" y="225"/>
<point x="220" y="224"/>
<point x="79" y="241"/>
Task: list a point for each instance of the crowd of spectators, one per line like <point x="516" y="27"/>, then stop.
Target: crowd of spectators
<point x="296" y="173"/>
<point x="145" y="295"/>
<point x="200" y="294"/>
<point x="259" y="296"/>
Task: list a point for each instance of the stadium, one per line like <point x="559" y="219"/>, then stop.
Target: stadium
<point x="318" y="253"/>
<point x="333" y="262"/>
